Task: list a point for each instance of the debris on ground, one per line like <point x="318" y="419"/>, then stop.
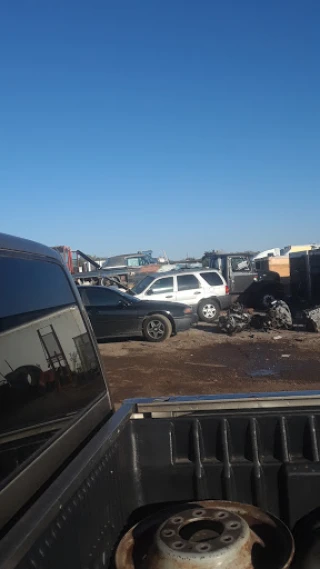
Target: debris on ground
<point x="277" y="337"/>
<point x="280" y="315"/>
<point x="237" y="319"/>
<point x="285" y="355"/>
<point x="312" y="319"/>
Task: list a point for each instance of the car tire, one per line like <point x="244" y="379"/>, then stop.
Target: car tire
<point x="156" y="328"/>
<point x="209" y="310"/>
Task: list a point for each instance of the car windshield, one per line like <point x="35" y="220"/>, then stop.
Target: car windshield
<point x="142" y="285"/>
<point x="125" y="295"/>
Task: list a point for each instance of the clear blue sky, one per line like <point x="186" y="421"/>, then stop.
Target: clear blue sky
<point x="174" y="124"/>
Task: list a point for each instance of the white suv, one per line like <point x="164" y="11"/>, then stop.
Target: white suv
<point x="203" y="289"/>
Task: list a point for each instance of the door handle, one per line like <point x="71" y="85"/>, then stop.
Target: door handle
<point x="197" y="292"/>
<point x="169" y="296"/>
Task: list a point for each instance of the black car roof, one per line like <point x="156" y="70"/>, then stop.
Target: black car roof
<point x="11" y="243"/>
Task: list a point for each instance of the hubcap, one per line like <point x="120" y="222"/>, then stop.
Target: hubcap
<point x="156" y="329"/>
<point x="209" y="311"/>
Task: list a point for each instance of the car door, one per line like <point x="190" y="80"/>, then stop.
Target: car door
<point x="111" y="315"/>
<point x="161" y="289"/>
<point x="189" y="289"/>
<point x="241" y="274"/>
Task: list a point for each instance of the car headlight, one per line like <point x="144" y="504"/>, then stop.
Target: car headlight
<point x="187" y="310"/>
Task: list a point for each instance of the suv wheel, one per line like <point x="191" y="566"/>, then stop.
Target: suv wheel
<point x="157" y="328"/>
<point x="208" y="310"/>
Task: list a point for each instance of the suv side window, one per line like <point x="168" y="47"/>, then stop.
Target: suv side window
<point x="188" y="282"/>
<point x="163" y="285"/>
<point x="240" y="264"/>
<point x="213" y="279"/>
<point x="48" y="367"/>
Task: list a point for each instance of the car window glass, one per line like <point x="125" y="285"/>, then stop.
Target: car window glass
<point x="48" y="366"/>
<point x="215" y="263"/>
<point x="133" y="262"/>
<point x="240" y="264"/>
<point x="213" y="279"/>
<point x="142" y="285"/>
<point x="163" y="285"/>
<point x="187" y="282"/>
<point x="102" y="297"/>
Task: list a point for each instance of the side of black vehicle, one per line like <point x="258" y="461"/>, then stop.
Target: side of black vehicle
<point x="114" y="314"/>
<point x="52" y="391"/>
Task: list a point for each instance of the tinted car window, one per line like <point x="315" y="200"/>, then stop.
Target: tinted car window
<point x="213" y="279"/>
<point x="101" y="297"/>
<point x="163" y="285"/>
<point x="48" y="366"/>
<point x="43" y="288"/>
<point x="187" y="282"/>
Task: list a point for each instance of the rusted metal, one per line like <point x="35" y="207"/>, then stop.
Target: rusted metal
<point x="207" y="535"/>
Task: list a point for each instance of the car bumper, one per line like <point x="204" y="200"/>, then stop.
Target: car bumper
<point x="186" y="322"/>
<point x="225" y="301"/>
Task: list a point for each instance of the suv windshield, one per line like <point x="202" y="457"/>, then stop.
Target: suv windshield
<point x="142" y="285"/>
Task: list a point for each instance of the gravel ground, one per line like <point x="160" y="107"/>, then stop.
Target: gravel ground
<point x="204" y="361"/>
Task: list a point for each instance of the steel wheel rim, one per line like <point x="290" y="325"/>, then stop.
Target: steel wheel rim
<point x="267" y="299"/>
<point x="156" y="329"/>
<point x="209" y="310"/>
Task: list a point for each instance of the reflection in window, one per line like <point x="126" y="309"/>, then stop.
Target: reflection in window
<point x="188" y="282"/>
<point x="48" y="367"/>
<point x="163" y="285"/>
<point x="213" y="279"/>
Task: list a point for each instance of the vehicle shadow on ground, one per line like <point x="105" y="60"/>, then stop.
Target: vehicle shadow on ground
<point x="122" y="339"/>
<point x="211" y="328"/>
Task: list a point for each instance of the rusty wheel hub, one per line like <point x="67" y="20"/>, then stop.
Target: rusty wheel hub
<point x="203" y="535"/>
<point x="207" y="535"/>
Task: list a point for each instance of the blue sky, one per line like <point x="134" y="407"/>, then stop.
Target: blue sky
<point x="173" y="125"/>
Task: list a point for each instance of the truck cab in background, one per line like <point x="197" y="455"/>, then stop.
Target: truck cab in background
<point x="237" y="270"/>
<point x="253" y="288"/>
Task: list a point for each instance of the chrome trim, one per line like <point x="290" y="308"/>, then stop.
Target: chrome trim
<point x="26" y="432"/>
<point x="25" y="484"/>
<point x="175" y="408"/>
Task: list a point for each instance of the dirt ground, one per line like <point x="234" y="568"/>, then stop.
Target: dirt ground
<point x="204" y="361"/>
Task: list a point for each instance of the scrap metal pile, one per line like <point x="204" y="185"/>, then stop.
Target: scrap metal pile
<point x="312" y="319"/>
<point x="277" y="317"/>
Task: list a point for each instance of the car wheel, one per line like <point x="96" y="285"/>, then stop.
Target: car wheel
<point x="157" y="328"/>
<point x="208" y="310"/>
<point x="266" y="300"/>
